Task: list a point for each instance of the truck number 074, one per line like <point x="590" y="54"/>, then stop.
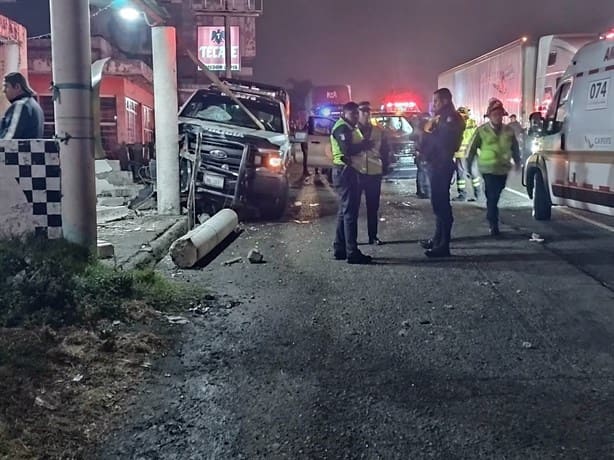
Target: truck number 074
<point x="598" y="89"/>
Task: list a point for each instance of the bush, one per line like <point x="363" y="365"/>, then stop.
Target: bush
<point x="58" y="283"/>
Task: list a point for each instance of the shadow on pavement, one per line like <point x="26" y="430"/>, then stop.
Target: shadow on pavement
<point x="218" y="250"/>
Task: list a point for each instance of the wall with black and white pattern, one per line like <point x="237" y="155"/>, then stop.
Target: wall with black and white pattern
<point x="30" y="188"/>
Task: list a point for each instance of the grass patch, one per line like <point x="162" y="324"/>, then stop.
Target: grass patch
<point x="57" y="283"/>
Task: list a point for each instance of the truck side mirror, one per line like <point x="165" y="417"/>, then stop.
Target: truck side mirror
<point x="536" y="123"/>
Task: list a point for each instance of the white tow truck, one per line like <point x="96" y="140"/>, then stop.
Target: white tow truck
<point x="572" y="163"/>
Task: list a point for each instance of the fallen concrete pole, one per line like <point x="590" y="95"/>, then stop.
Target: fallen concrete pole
<point x="199" y="242"/>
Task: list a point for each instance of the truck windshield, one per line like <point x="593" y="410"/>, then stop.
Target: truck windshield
<point x="397" y="125"/>
<point x="222" y="109"/>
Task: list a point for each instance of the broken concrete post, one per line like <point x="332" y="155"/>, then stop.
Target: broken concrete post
<point x="199" y="242"/>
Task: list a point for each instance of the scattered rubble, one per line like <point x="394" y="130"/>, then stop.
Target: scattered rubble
<point x="255" y="256"/>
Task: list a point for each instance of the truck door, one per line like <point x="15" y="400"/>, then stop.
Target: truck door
<point x="554" y="143"/>
<point x="319" y="153"/>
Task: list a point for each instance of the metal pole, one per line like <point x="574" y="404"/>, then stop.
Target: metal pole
<point x="228" y="46"/>
<point x="164" y="49"/>
<point x="72" y="58"/>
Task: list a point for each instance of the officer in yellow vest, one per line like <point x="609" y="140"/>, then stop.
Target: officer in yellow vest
<point x="346" y="142"/>
<point x="495" y="145"/>
<point x="372" y="164"/>
<point x="459" y="159"/>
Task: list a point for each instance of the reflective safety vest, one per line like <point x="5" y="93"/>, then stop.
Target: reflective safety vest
<point x="495" y="155"/>
<point x="467" y="136"/>
<point x="357" y="138"/>
<point x="369" y="162"/>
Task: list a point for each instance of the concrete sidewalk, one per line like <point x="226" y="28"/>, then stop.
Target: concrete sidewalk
<point x="138" y="240"/>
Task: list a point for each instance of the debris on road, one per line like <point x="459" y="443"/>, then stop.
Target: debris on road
<point x="313" y="205"/>
<point x="236" y="260"/>
<point x="527" y="345"/>
<point x="77" y="378"/>
<point x="448" y="307"/>
<point x="302" y="221"/>
<point x="536" y="238"/>
<point x="255" y="256"/>
<point x="403" y="332"/>
<point x="177" y="320"/>
<point x="40" y="402"/>
<point x="298" y="203"/>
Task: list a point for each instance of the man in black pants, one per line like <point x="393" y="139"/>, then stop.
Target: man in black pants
<point x="347" y="141"/>
<point x="442" y="138"/>
<point x="372" y="165"/>
<point x="498" y="145"/>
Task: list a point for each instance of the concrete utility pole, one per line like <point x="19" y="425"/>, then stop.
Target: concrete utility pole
<point x="164" y="50"/>
<point x="72" y="58"/>
<point x="227" y="44"/>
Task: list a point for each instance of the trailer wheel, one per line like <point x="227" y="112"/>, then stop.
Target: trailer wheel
<point x="542" y="208"/>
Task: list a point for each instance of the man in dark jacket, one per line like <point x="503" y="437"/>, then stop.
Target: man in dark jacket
<point x="442" y="138"/>
<point x="24" y="118"/>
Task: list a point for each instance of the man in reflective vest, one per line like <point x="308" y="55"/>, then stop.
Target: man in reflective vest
<point x="372" y="164"/>
<point x="459" y="159"/>
<point x="495" y="145"/>
<point x="347" y="141"/>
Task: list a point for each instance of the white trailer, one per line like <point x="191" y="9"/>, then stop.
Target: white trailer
<point x="523" y="74"/>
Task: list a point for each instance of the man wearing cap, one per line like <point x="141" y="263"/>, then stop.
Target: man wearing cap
<point x="372" y="164"/>
<point x="495" y="145"/>
<point x="442" y="138"/>
<point x="24" y="118"/>
<point x="347" y="141"/>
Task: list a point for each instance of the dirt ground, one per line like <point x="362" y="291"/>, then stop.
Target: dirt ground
<point x="63" y="390"/>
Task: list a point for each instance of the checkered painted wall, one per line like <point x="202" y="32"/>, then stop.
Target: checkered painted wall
<point x="35" y="165"/>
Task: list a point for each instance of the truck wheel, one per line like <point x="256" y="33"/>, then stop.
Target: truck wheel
<point x="542" y="209"/>
<point x="277" y="209"/>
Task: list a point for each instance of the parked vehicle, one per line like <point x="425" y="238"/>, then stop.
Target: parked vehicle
<point x="236" y="148"/>
<point x="400" y="135"/>
<point x="573" y="159"/>
<point x="324" y="100"/>
<point x="523" y="74"/>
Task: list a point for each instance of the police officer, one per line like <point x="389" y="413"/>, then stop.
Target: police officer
<point x="442" y="138"/>
<point x="459" y="158"/>
<point x="372" y="164"/>
<point x="497" y="145"/>
<point x="347" y="141"/>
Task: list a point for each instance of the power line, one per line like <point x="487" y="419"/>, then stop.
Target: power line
<point x="92" y="15"/>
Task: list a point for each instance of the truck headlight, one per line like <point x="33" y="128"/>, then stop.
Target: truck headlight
<point x="269" y="158"/>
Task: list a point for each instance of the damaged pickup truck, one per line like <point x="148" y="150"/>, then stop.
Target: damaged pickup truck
<point x="235" y="148"/>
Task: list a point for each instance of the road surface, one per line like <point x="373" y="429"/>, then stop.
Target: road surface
<point x="503" y="351"/>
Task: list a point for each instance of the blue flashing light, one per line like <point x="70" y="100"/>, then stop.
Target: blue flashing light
<point x="326" y="112"/>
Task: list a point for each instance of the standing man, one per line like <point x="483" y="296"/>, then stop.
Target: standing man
<point x="459" y="158"/>
<point x="518" y="132"/>
<point x="347" y="141"/>
<point x="442" y="138"/>
<point x="372" y="164"/>
<point x="24" y="118"/>
<point x="497" y="146"/>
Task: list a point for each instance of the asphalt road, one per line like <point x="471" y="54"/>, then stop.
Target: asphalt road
<point x="504" y="351"/>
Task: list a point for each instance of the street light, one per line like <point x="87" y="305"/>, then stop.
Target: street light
<point x="129" y="13"/>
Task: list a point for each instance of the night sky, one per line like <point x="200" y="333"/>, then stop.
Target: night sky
<point x="381" y="44"/>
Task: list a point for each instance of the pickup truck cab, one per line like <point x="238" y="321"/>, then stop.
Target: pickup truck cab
<point x="572" y="162"/>
<point x="237" y="162"/>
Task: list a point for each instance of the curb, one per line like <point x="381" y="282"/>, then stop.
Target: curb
<point x="159" y="247"/>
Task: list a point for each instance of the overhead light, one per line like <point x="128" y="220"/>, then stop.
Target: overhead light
<point x="129" y="14"/>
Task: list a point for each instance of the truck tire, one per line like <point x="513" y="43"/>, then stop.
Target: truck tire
<point x="542" y="208"/>
<point x="277" y="208"/>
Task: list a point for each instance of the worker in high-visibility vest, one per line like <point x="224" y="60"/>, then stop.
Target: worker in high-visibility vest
<point x="495" y="145"/>
<point x="372" y="164"/>
<point x="347" y="141"/>
<point x="459" y="158"/>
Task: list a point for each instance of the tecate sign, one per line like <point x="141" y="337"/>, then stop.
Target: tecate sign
<point x="212" y="47"/>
